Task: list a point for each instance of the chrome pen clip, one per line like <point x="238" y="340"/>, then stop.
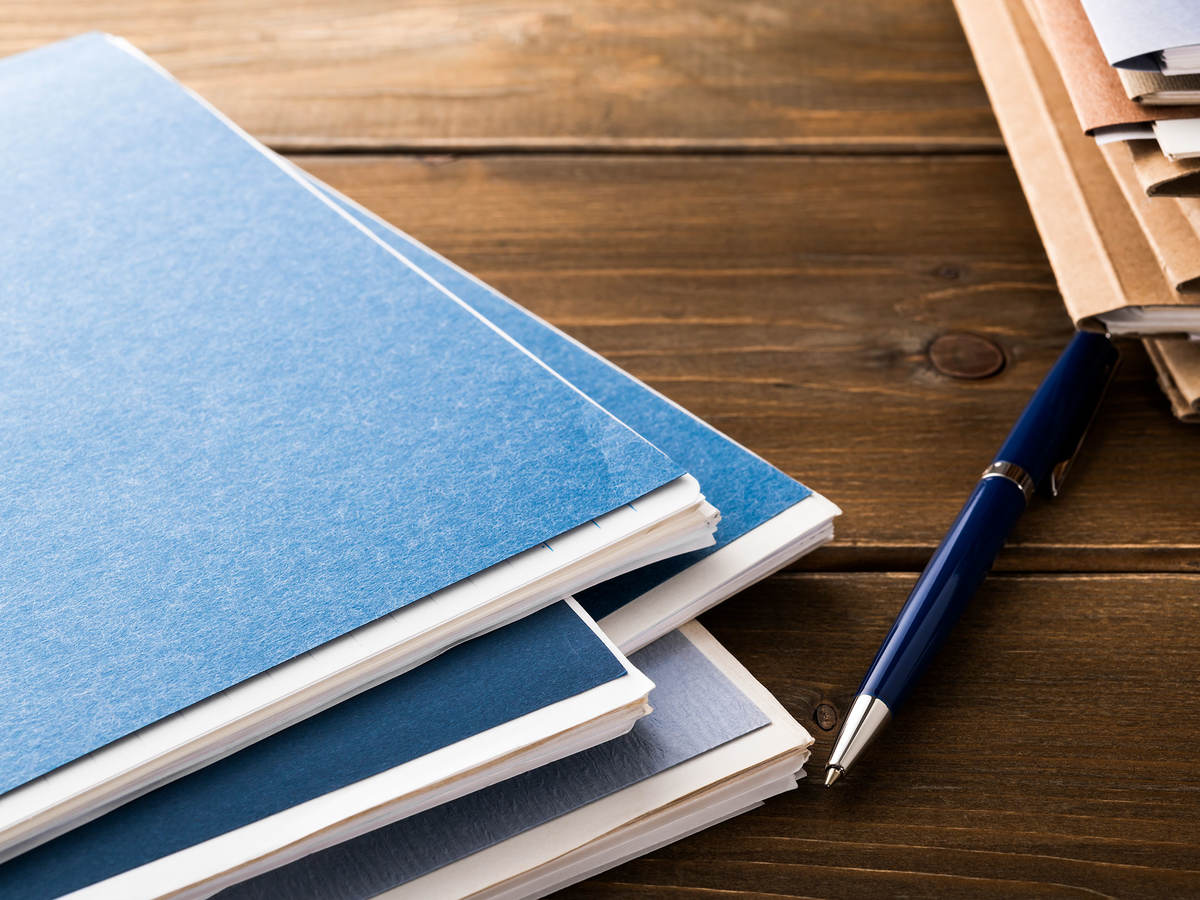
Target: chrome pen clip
<point x="1058" y="474"/>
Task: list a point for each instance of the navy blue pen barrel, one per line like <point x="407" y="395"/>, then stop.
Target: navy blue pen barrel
<point x="1059" y="412"/>
<point x="945" y="587"/>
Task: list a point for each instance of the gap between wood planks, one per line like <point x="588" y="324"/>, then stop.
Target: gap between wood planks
<point x="534" y="146"/>
<point x="1180" y="560"/>
<point x="1174" y="562"/>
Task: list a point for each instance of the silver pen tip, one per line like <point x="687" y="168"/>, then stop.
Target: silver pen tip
<point x="832" y="774"/>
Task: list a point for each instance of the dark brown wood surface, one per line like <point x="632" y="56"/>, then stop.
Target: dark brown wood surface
<point x="1049" y="751"/>
<point x="472" y="74"/>
<point x="796" y="219"/>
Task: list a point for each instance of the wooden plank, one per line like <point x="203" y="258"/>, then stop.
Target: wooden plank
<point x="553" y="74"/>
<point x="1049" y="751"/>
<point x="791" y="301"/>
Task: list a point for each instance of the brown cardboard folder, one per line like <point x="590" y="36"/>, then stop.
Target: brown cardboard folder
<point x="1099" y="252"/>
<point x="1174" y="237"/>
<point x="1094" y="86"/>
<point x="1162" y="177"/>
<point x="1177" y="362"/>
<point x="1100" y="256"/>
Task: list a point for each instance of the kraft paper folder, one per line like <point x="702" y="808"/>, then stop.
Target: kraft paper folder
<point x="1170" y="231"/>
<point x="1156" y="89"/>
<point x="1171" y="234"/>
<point x="1095" y="88"/>
<point x="1096" y="246"/>
<point x="1162" y="177"/>
<point x="1109" y="275"/>
<point x="1177" y="363"/>
<point x="1098" y="98"/>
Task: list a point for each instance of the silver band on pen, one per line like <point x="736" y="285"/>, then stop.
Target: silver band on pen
<point x="1014" y="473"/>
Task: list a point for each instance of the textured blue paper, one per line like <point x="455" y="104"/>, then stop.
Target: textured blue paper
<point x="745" y="488"/>
<point x="234" y="425"/>
<point x="696" y="709"/>
<point x="475" y="686"/>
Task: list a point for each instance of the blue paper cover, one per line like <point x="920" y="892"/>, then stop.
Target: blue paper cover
<point x="744" y="487"/>
<point x="235" y="425"/>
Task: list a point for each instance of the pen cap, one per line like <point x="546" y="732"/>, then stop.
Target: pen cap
<point x="1051" y="428"/>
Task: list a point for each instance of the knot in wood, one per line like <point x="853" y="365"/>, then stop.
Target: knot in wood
<point x="825" y="716"/>
<point x="961" y="354"/>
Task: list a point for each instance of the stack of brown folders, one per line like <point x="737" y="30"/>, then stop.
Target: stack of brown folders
<point x="1120" y="221"/>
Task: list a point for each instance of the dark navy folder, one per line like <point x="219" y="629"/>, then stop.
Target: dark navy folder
<point x="465" y="691"/>
<point x="696" y="709"/>
<point x="234" y="427"/>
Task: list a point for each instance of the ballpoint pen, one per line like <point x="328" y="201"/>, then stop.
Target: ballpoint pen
<point x="1038" y="452"/>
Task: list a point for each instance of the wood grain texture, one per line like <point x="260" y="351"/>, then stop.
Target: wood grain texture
<point x="789" y="293"/>
<point x="1050" y="750"/>
<point x="791" y="301"/>
<point x="528" y="74"/>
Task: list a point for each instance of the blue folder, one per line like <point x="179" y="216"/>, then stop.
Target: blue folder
<point x="676" y="731"/>
<point x="743" y="486"/>
<point x="235" y="428"/>
<point x="465" y="691"/>
<point x="696" y="709"/>
<point x="752" y="490"/>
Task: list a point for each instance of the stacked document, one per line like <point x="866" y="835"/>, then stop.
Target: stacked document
<point x="298" y="509"/>
<point x="244" y="437"/>
<point x="1121" y="97"/>
<point x="1125" y="249"/>
<point x="300" y="813"/>
<point x="1158" y="36"/>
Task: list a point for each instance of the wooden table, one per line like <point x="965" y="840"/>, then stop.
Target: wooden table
<point x="770" y="211"/>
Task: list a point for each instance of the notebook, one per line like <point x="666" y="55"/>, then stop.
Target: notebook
<point x="768" y="519"/>
<point x="256" y="461"/>
<point x="491" y="708"/>
<point x="717" y="744"/>
<point x="1153" y="35"/>
<point x="1108" y="274"/>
